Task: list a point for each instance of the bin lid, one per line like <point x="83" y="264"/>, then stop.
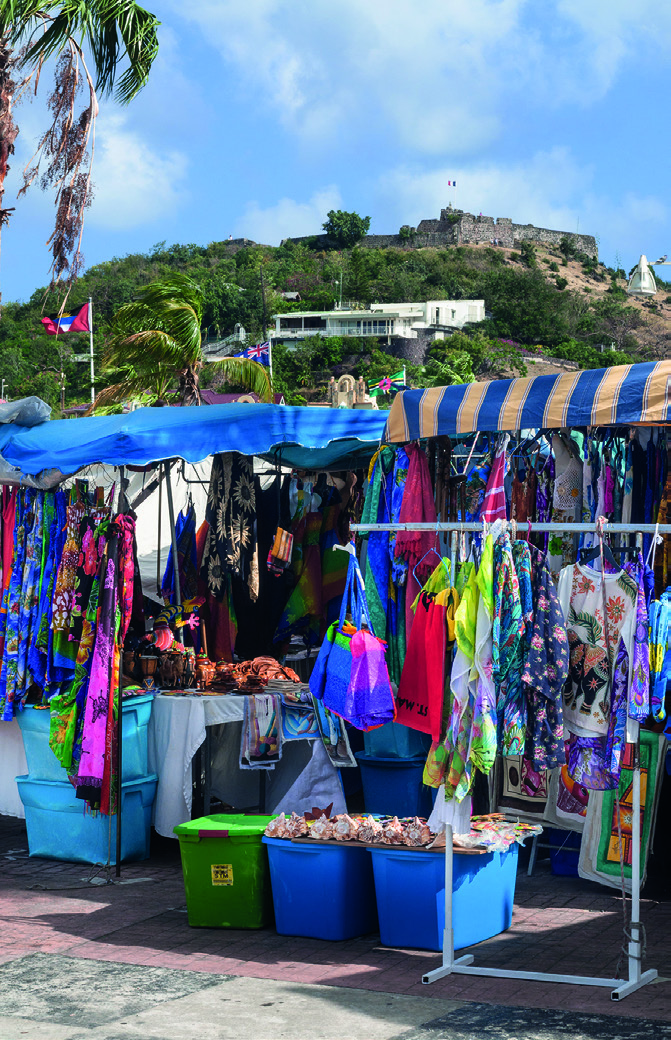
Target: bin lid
<point x="223" y="825"/>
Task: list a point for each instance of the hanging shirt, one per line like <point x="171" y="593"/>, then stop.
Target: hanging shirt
<point x="587" y="698"/>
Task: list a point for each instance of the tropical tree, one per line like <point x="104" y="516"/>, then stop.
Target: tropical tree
<point x="117" y="34"/>
<point x="156" y="341"/>
<point x="345" y="229"/>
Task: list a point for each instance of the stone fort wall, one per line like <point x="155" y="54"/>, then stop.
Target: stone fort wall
<point x="454" y="228"/>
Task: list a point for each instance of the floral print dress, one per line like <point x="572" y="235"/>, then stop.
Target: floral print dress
<point x="507" y="653"/>
<point x="545" y="671"/>
<point x="22" y="600"/>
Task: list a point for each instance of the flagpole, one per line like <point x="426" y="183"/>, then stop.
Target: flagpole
<point x="270" y="358"/>
<point x="93" y="375"/>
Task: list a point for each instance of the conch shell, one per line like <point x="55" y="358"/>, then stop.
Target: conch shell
<point x="370" y="830"/>
<point x="345" y="828"/>
<point x="322" y="829"/>
<point x="417" y="832"/>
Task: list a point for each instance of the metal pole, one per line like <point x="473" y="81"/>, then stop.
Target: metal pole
<point x="173" y="538"/>
<point x="93" y="375"/>
<point x="119" y="726"/>
<point x="549" y="527"/>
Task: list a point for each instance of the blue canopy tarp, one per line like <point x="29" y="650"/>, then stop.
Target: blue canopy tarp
<point x="316" y="438"/>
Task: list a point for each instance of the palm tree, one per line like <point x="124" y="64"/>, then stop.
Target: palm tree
<point x="116" y="32"/>
<point x="158" y="337"/>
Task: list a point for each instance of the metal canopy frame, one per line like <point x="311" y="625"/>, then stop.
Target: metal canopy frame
<point x="464" y="965"/>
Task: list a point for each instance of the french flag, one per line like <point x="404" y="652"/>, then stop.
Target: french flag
<point x="73" y="321"/>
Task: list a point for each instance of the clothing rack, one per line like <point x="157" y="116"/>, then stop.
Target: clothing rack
<point x="464" y="965"/>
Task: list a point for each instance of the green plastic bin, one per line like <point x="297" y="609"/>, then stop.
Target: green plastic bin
<point x="226" y="875"/>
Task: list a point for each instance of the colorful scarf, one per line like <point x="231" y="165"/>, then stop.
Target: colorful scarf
<point x="261" y="744"/>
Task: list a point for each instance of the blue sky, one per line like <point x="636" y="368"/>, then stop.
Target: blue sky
<point x="262" y="115"/>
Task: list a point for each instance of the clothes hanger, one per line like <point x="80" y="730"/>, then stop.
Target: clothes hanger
<point x="440" y="558"/>
<point x="588" y="555"/>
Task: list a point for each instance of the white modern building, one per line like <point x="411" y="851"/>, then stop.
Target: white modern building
<point x="385" y="320"/>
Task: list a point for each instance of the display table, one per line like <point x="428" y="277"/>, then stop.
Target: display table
<point x="178" y="728"/>
<point x="303" y="777"/>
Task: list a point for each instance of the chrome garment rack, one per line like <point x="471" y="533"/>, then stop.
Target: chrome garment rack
<point x="464" y="965"/>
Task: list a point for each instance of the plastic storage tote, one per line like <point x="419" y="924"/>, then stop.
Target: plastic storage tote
<point x="564" y="860"/>
<point x="393" y="786"/>
<point x="410" y="890"/>
<point x="43" y="764"/>
<point x="394" y="740"/>
<point x="322" y="891"/>
<point x="60" y="826"/>
<point x="225" y="867"/>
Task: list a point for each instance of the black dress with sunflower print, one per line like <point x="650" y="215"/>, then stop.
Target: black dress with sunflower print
<point x="231" y="544"/>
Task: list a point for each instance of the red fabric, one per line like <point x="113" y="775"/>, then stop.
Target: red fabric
<point x="419" y="702"/>
<point x="418" y="506"/>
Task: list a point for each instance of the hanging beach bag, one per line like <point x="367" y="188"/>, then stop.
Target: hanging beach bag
<point x="350" y="674"/>
<point x="370" y="700"/>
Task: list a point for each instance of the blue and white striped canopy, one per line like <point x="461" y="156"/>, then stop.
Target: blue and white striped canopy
<point x="622" y="395"/>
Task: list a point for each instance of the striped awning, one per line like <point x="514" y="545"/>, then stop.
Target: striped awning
<point x="623" y="394"/>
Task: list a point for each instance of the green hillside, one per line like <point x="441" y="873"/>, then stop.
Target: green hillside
<point x="559" y="301"/>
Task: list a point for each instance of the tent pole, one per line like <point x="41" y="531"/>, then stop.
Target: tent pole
<point x="173" y="539"/>
<point x="119" y="720"/>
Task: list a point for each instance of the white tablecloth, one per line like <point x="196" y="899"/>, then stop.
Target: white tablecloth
<point x="303" y="777"/>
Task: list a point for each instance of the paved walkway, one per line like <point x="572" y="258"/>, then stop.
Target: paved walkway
<point x="563" y="925"/>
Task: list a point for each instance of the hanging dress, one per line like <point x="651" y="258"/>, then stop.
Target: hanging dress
<point x="545" y="671"/>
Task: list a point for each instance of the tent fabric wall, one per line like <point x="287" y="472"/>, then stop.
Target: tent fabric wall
<point x="597" y="397"/>
<point x="152" y="434"/>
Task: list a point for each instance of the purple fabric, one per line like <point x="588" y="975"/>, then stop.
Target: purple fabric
<point x="370" y="701"/>
<point x="595" y="762"/>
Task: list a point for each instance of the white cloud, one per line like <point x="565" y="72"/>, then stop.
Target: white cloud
<point x="288" y="217"/>
<point x="533" y="191"/>
<point x="133" y="184"/>
<point x="444" y="76"/>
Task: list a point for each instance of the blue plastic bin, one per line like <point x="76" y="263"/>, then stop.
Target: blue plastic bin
<point x="322" y="891"/>
<point x="564" y="861"/>
<point x="393" y="786"/>
<point x="410" y="891"/>
<point x="394" y="740"/>
<point x="60" y="826"/>
<point x="43" y="764"/>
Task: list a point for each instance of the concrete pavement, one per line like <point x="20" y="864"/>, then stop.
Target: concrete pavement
<point x="85" y="960"/>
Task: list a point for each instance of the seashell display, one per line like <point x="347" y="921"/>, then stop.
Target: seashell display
<point x="322" y="829"/>
<point x="345" y="828"/>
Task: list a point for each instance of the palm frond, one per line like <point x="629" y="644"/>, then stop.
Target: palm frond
<point x="250" y="374"/>
<point x="115" y="30"/>
<point x="145" y="350"/>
